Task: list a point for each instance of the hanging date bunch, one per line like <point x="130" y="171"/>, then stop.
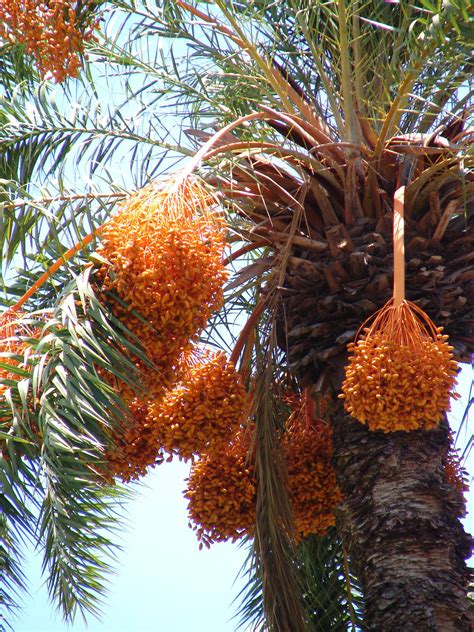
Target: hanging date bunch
<point x="134" y="444"/>
<point x="53" y="32"/>
<point x="401" y="370"/>
<point x="202" y="411"/>
<point x="307" y="448"/>
<point x="164" y="273"/>
<point x="222" y="494"/>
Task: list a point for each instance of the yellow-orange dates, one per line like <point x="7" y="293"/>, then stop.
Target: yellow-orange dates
<point x="400" y="373"/>
<point x="221" y="494"/>
<point x="204" y="410"/>
<point x="165" y="249"/>
<point x="314" y="493"/>
<point x="134" y="445"/>
<point x="50" y="32"/>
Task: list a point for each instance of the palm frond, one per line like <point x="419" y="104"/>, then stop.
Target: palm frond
<point x="34" y="231"/>
<point x="77" y="407"/>
<point x="325" y="100"/>
<point x="274" y="547"/>
<point x="66" y="408"/>
<point x="18" y="72"/>
<point x="15" y="527"/>
<point x="325" y="53"/>
<point x="43" y="134"/>
<point x="332" y="597"/>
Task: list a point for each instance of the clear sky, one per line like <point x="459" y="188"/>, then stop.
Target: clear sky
<point x="163" y="582"/>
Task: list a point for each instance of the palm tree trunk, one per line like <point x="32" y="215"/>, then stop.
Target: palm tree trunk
<point x="400" y="524"/>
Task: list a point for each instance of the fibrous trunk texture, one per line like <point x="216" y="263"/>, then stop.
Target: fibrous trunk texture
<point x="400" y="525"/>
<point x="327" y="296"/>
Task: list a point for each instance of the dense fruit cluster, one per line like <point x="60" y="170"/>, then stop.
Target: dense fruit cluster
<point x="202" y="411"/>
<point x="314" y="493"/>
<point x="222" y="487"/>
<point x="221" y="493"/>
<point x="401" y="372"/>
<point x="165" y="250"/>
<point x="163" y="276"/>
<point x="134" y="445"/>
<point x="50" y="31"/>
<point x="455" y="474"/>
<point x="198" y="415"/>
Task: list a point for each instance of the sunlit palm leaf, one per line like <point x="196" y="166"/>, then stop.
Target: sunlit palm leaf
<point x="331" y="598"/>
<point x="71" y="410"/>
<point x="17" y="69"/>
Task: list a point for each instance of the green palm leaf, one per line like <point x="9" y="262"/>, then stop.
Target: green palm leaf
<point x="346" y="92"/>
<point x="65" y="432"/>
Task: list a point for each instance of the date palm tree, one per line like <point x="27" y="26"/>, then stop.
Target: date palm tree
<point x="307" y="119"/>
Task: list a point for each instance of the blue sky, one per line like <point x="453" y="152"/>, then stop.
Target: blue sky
<point x="163" y="582"/>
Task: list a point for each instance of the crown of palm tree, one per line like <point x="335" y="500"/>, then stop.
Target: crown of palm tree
<point x="323" y="111"/>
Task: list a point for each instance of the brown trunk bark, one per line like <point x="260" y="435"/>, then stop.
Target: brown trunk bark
<point x="400" y="524"/>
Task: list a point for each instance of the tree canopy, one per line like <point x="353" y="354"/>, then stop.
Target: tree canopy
<point x="280" y="132"/>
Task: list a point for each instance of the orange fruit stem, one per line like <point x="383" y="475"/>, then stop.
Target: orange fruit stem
<point x="56" y="265"/>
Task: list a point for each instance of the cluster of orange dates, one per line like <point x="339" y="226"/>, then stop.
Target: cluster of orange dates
<point x="50" y="31"/>
<point x="401" y="372"/>
<point x="222" y="487"/>
<point x="162" y="276"/>
<point x="164" y="251"/>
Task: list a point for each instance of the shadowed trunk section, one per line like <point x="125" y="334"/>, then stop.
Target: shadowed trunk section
<point x="400" y="524"/>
